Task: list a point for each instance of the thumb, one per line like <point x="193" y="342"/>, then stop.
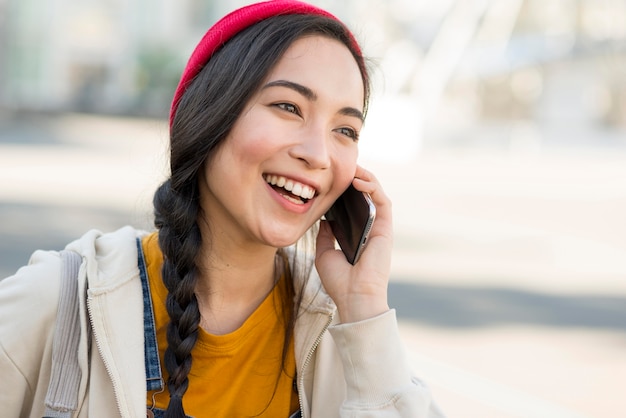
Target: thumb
<point x="325" y="239"/>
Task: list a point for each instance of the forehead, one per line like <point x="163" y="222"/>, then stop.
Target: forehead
<point x="323" y="64"/>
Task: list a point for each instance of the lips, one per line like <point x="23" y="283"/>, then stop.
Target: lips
<point x="294" y="190"/>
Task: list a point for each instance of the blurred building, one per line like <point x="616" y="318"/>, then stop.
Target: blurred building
<point x="525" y="66"/>
<point x="96" y="55"/>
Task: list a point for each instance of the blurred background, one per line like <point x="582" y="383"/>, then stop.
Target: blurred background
<point x="498" y="127"/>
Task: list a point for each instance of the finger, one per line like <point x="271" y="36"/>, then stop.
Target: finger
<point x="363" y="173"/>
<point x="368" y="183"/>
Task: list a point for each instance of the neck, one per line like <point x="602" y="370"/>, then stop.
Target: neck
<point x="234" y="279"/>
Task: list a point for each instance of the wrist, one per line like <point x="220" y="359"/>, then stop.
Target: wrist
<point x="360" y="308"/>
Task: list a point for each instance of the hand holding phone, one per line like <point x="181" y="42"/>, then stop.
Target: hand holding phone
<point x="351" y="218"/>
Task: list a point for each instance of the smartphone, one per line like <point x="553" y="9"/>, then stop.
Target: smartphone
<point x="351" y="218"/>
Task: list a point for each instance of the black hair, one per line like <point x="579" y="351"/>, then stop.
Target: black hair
<point x="205" y="115"/>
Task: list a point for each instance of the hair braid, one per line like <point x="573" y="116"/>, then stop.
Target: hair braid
<point x="180" y="240"/>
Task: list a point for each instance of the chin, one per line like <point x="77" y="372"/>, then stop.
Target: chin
<point x="281" y="242"/>
<point x="281" y="239"/>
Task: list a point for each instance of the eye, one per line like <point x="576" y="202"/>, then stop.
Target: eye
<point x="288" y="107"/>
<point x="349" y="132"/>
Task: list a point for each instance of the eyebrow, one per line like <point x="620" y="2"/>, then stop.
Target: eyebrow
<point x="310" y="95"/>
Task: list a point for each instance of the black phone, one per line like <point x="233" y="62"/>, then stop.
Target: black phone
<point x="351" y="218"/>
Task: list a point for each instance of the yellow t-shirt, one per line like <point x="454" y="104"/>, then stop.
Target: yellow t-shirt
<point x="232" y="375"/>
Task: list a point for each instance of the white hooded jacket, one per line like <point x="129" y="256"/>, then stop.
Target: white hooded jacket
<point x="344" y="370"/>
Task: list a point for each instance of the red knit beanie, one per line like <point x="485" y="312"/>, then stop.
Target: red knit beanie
<point x="229" y="26"/>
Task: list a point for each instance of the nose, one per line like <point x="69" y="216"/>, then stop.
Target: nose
<point x="312" y="147"/>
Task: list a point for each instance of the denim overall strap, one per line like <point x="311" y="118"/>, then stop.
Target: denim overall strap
<point x="154" y="381"/>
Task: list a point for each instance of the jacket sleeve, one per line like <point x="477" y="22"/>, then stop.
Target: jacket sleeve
<point x="28" y="304"/>
<point x="377" y="371"/>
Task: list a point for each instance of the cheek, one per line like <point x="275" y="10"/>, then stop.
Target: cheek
<point x="248" y="152"/>
<point x="347" y="160"/>
<point x="345" y="168"/>
<point x="252" y="141"/>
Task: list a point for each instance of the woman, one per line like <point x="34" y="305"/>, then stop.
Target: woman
<point x="235" y="319"/>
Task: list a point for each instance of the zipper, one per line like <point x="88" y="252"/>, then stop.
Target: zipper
<point x="307" y="360"/>
<point x="107" y="365"/>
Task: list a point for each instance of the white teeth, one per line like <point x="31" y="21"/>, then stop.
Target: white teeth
<point x="298" y="189"/>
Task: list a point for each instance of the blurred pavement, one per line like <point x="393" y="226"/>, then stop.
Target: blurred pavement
<point x="509" y="269"/>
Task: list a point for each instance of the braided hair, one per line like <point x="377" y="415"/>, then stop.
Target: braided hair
<point x="205" y="115"/>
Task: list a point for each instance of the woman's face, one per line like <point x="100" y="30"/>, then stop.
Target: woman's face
<point x="292" y="151"/>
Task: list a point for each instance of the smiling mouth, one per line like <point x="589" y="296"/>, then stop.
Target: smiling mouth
<point x="291" y="190"/>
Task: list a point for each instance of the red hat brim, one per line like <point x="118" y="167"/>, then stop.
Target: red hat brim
<point x="229" y="26"/>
